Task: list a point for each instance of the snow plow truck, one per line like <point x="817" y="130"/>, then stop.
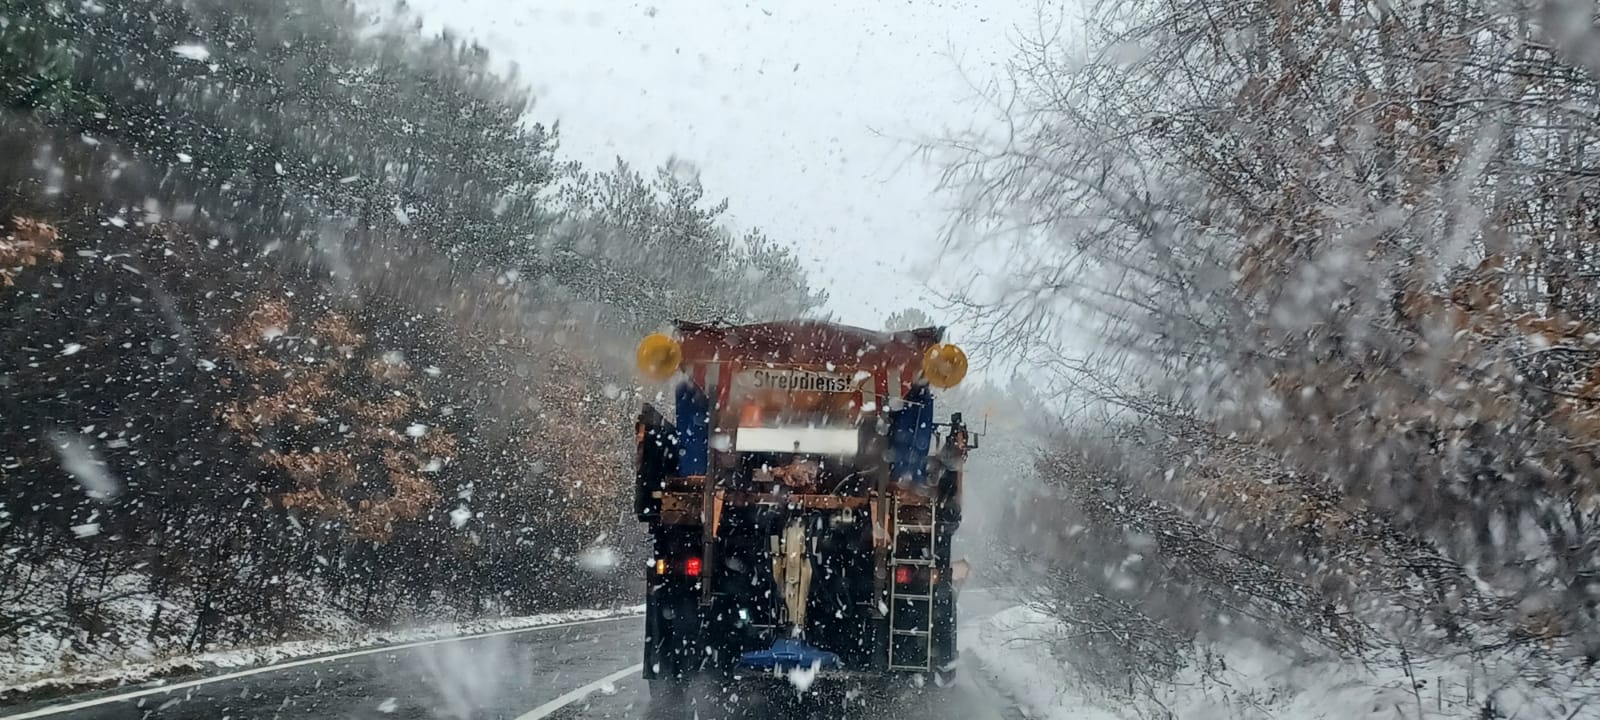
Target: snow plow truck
<point x="801" y="502"/>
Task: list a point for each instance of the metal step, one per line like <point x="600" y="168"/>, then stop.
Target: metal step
<point x="921" y="648"/>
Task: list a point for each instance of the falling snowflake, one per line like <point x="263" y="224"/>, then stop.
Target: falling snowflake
<point x="597" y="559"/>
<point x="82" y="464"/>
<point x="192" y="51"/>
<point x="802" y="678"/>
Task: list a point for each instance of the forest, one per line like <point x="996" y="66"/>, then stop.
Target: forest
<point x="1314" y="283"/>
<point x="307" y="324"/>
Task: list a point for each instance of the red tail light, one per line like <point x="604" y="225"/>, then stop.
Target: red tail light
<point x="902" y="575"/>
<point x="691" y="567"/>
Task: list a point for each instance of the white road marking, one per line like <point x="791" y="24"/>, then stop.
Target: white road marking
<point x="58" y="709"/>
<point x="544" y="710"/>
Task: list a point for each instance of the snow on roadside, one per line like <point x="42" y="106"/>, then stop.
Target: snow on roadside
<point x="1013" y="648"/>
<point x="1253" y="682"/>
<point x="12" y="686"/>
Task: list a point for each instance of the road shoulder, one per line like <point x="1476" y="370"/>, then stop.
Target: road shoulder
<point x="55" y="695"/>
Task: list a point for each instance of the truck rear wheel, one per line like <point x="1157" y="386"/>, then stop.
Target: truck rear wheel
<point x="663" y="688"/>
<point x="668" y="699"/>
<point x="694" y="697"/>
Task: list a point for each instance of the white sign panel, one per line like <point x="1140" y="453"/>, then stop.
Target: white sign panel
<point x="790" y="380"/>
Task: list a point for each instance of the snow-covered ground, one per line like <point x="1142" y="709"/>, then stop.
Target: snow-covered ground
<point x="43" y="666"/>
<point x="1014" y="648"/>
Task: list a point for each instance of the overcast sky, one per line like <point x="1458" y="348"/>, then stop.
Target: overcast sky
<point x="802" y="114"/>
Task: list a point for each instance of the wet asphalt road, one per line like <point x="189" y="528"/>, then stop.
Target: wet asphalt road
<point x="519" y="676"/>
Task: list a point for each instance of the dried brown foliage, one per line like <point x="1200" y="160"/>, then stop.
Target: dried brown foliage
<point x="366" y="471"/>
<point x="1348" y="246"/>
<point x="27" y="243"/>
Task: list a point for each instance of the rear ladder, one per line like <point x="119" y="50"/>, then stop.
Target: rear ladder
<point x="911" y="642"/>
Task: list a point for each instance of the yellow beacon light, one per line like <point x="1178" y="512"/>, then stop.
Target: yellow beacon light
<point x="659" y="356"/>
<point x="944" y="365"/>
